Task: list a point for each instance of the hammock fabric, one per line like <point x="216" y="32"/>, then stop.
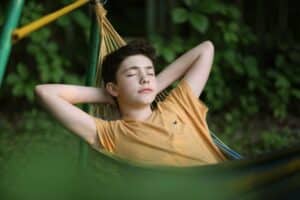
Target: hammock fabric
<point x="268" y="175"/>
<point x="111" y="41"/>
<point x="275" y="176"/>
<point x="51" y="174"/>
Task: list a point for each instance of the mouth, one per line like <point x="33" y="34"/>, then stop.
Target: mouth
<point x="145" y="90"/>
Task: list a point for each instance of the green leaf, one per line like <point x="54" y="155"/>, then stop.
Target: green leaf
<point x="22" y="71"/>
<point x="18" y="90"/>
<point x="12" y="78"/>
<point x="168" y="54"/>
<point x="282" y="82"/>
<point x="230" y="56"/>
<point x="177" y="44"/>
<point x="63" y="22"/>
<point x="251" y="67"/>
<point x="189" y="2"/>
<point x="296" y="93"/>
<point x="233" y="27"/>
<point x="280" y="60"/>
<point x="29" y="93"/>
<point x="230" y="37"/>
<point x="199" y="22"/>
<point x="179" y="15"/>
<point x="233" y="12"/>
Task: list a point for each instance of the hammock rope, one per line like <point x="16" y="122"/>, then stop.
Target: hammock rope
<point x="109" y="42"/>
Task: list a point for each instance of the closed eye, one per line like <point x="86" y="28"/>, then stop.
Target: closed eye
<point x="130" y="75"/>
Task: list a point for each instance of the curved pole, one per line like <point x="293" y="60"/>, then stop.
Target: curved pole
<point x="90" y="79"/>
<point x="23" y="31"/>
<point x="11" y="22"/>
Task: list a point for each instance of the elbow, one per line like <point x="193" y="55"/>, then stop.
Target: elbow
<point x="38" y="93"/>
<point x="39" y="90"/>
<point x="206" y="48"/>
<point x="209" y="46"/>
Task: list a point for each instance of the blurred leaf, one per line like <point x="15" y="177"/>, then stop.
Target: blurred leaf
<point x="179" y="15"/>
<point x="282" y="81"/>
<point x="189" y="2"/>
<point x="233" y="12"/>
<point x="280" y="60"/>
<point x="296" y="93"/>
<point x="63" y="22"/>
<point x="22" y="71"/>
<point x="199" y="22"/>
<point x="168" y="54"/>
<point x="233" y="27"/>
<point x="18" y="90"/>
<point x="29" y="93"/>
<point x="230" y="37"/>
<point x="11" y="78"/>
<point x="251" y="67"/>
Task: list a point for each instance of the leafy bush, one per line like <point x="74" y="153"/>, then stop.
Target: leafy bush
<point x="47" y="55"/>
<point x="242" y="84"/>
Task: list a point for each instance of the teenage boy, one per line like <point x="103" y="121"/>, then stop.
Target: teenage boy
<point x="174" y="133"/>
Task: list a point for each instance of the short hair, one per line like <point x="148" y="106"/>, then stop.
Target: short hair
<point x="111" y="62"/>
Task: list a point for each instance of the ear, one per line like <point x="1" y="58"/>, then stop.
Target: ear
<point x="112" y="89"/>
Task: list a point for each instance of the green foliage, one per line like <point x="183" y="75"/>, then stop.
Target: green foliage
<point x="55" y="53"/>
<point x="179" y="15"/>
<point x="241" y="82"/>
<point x="271" y="140"/>
<point x="284" y="77"/>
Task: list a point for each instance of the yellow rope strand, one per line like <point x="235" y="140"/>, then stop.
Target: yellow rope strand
<point x="110" y="41"/>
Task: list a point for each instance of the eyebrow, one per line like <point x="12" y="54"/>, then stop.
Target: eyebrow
<point x="136" y="68"/>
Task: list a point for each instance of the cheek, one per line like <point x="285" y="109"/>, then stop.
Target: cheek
<point x="154" y="83"/>
<point x="130" y="82"/>
<point x="123" y="82"/>
<point x="126" y="85"/>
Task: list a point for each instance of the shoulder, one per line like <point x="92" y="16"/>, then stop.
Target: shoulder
<point x="182" y="90"/>
<point x="182" y="97"/>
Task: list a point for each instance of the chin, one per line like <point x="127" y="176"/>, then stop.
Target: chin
<point x="146" y="101"/>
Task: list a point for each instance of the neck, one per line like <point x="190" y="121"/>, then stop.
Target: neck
<point x="141" y="113"/>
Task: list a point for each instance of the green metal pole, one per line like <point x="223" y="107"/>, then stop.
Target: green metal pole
<point x="12" y="18"/>
<point x="90" y="79"/>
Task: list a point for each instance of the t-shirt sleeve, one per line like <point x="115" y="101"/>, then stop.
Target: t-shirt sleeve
<point x="183" y="100"/>
<point x="105" y="134"/>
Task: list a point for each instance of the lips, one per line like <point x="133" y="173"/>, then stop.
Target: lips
<point x="145" y="90"/>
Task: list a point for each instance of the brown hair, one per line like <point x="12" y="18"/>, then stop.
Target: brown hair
<point x="111" y="62"/>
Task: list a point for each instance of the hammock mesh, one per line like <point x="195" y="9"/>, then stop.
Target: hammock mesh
<point x="109" y="42"/>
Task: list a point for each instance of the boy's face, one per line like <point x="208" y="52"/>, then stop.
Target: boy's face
<point x="136" y="83"/>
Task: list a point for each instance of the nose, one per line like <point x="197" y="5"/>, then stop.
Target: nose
<point x="144" y="79"/>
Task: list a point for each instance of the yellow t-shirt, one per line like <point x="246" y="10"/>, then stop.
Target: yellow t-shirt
<point x="175" y="134"/>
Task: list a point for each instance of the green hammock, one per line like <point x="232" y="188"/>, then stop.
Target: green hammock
<point x="111" y="41"/>
<point x="275" y="176"/>
<point x="53" y="176"/>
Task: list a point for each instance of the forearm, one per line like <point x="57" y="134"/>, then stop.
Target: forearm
<point x="202" y="53"/>
<point x="74" y="94"/>
<point x="59" y="99"/>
